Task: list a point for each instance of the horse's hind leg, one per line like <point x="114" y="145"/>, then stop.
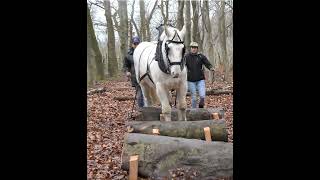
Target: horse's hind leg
<point x="146" y="95"/>
<point x="154" y="96"/>
<point x="165" y="106"/>
<point x="182" y="103"/>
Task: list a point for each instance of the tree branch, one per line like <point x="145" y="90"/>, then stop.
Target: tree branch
<point x="90" y="4"/>
<point x="202" y="35"/>
<point x="152" y="11"/>
<point x="163" y="15"/>
<point x="229" y="25"/>
<point x="204" y="17"/>
<point x="228" y="5"/>
<point x="114" y="8"/>
<point x="98" y="23"/>
<point x="96" y="5"/>
<point x="115" y="20"/>
<point x="132" y="20"/>
<point x="215" y="38"/>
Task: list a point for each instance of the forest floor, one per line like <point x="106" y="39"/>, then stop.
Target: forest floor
<point x="106" y="128"/>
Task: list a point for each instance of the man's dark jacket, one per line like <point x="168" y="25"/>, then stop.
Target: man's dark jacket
<point x="128" y="65"/>
<point x="194" y="63"/>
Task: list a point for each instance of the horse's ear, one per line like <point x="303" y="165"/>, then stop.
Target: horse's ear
<point x="183" y="30"/>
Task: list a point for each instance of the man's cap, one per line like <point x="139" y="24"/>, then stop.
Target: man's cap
<point x="136" y="39"/>
<point x="194" y="44"/>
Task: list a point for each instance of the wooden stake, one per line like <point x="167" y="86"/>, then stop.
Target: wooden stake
<point x="161" y="117"/>
<point x="155" y="131"/>
<point x="215" y="116"/>
<point x="207" y="133"/>
<point x="130" y="129"/>
<point x="133" y="171"/>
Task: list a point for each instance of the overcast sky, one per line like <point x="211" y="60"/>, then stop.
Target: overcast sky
<point x="98" y="15"/>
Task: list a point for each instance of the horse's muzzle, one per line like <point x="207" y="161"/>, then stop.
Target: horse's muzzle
<point x="175" y="75"/>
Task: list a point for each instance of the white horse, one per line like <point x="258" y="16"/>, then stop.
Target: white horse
<point x="155" y="83"/>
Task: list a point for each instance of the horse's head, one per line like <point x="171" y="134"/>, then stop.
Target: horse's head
<point x="173" y="49"/>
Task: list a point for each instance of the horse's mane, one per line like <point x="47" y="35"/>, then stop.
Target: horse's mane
<point x="159" y="58"/>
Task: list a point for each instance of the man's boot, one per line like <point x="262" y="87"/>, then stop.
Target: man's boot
<point x="201" y="103"/>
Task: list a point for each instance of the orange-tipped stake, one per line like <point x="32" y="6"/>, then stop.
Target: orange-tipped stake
<point x="133" y="171"/>
<point x="207" y="133"/>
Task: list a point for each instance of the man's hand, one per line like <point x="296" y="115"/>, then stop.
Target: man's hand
<point x="128" y="74"/>
<point x="213" y="72"/>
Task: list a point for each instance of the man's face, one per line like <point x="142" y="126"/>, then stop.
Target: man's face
<point x="194" y="50"/>
<point x="134" y="45"/>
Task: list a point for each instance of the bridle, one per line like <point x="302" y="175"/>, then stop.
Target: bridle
<point x="181" y="63"/>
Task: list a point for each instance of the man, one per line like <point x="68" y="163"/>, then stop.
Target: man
<point x="196" y="78"/>
<point x="128" y="67"/>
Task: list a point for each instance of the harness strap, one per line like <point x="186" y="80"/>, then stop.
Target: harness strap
<point x="175" y="36"/>
<point x="134" y="101"/>
<point x="148" y="69"/>
<point x="175" y="63"/>
<point x="146" y="74"/>
<point x="139" y="61"/>
<point x="176" y="42"/>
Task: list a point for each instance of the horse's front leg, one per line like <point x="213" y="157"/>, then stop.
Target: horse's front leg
<point x="164" y="99"/>
<point x="182" y="103"/>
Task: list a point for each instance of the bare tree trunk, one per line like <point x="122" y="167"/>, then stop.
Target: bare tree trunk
<point x="130" y="32"/>
<point x="165" y="18"/>
<point x="188" y="25"/>
<point x="132" y="19"/>
<point x="91" y="68"/>
<point x="180" y="20"/>
<point x="201" y="36"/>
<point x="222" y="40"/>
<point x="116" y="25"/>
<point x="142" y="20"/>
<point x="94" y="58"/>
<point x="112" y="57"/>
<point x="148" y="37"/>
<point x="207" y="25"/>
<point x="123" y="28"/>
<point x="195" y="32"/>
<point x="203" y="28"/>
<point x="167" y="9"/>
<point x="89" y="71"/>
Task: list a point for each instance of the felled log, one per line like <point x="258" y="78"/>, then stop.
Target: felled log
<point x="159" y="154"/>
<point x="184" y="129"/>
<point x="215" y="92"/>
<point x="218" y="92"/>
<point x="208" y="92"/>
<point x="193" y="114"/>
<point x="98" y="90"/>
